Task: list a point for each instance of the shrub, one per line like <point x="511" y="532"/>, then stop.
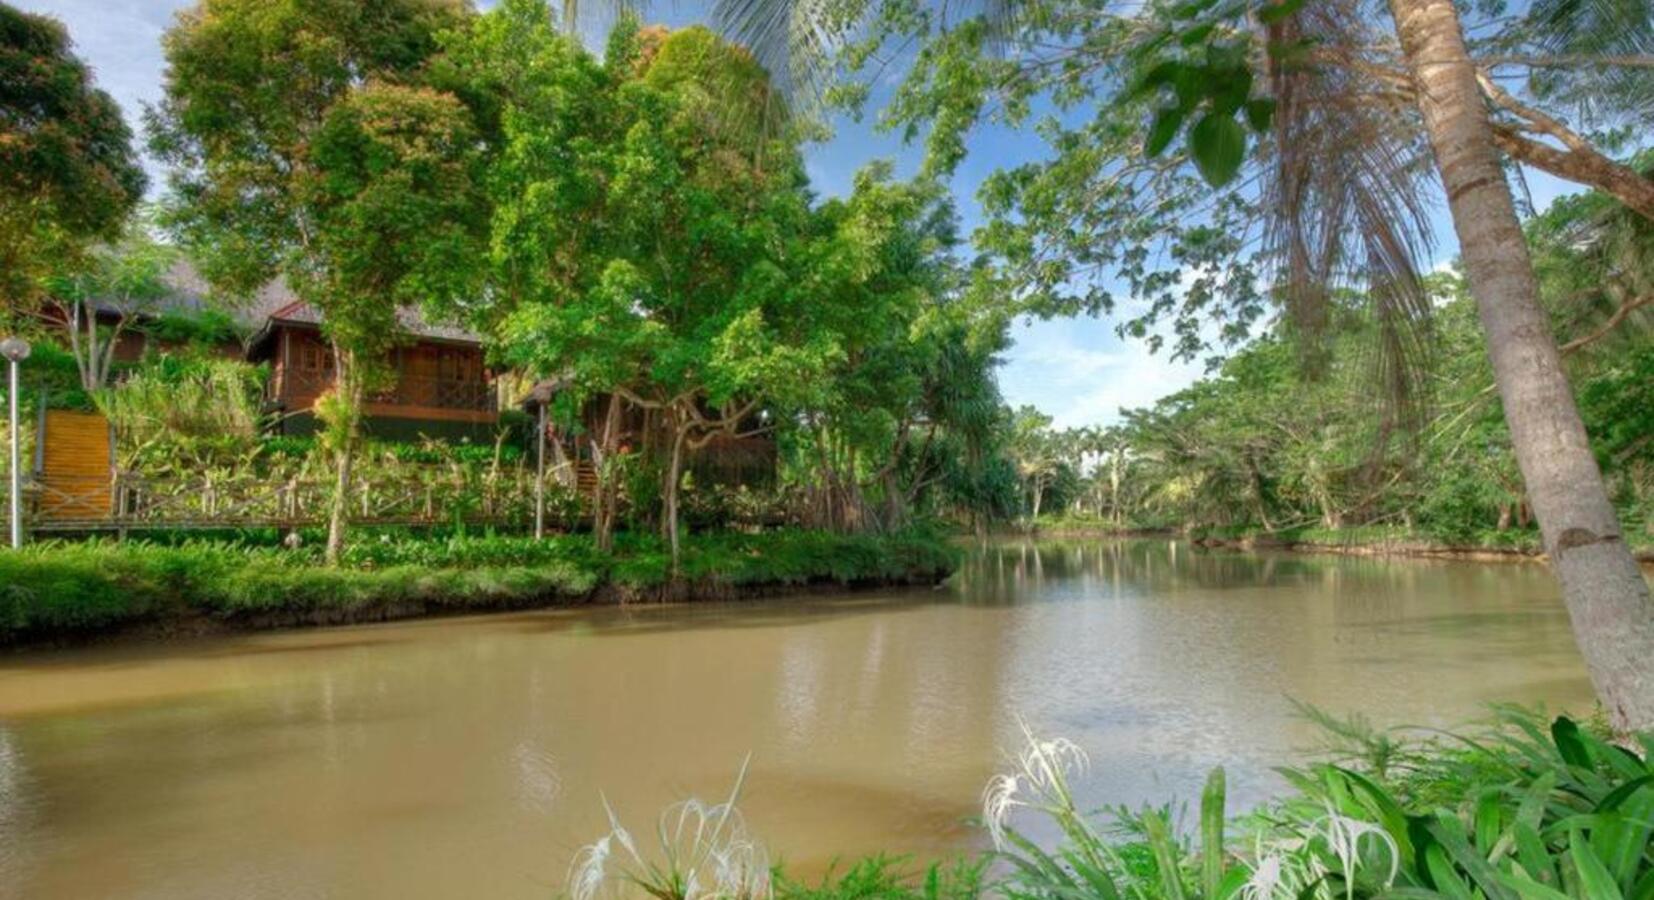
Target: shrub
<point x="61" y="587"/>
<point x="1521" y="810"/>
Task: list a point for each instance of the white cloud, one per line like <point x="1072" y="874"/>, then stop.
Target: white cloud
<point x="1079" y="373"/>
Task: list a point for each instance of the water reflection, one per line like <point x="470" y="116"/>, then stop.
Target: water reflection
<point x="466" y="757"/>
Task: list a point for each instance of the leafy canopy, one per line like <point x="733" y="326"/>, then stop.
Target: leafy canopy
<point x="67" y="168"/>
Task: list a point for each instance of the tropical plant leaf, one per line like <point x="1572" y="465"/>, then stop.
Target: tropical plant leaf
<point x="1624" y="839"/>
<point x="1389" y="813"/>
<point x="1260" y="113"/>
<point x="1532" y="854"/>
<point x="1449" y="833"/>
<point x="1164" y="128"/>
<point x="1528" y="889"/>
<point x="1271" y="13"/>
<point x="1594" y="876"/>
<point x="1565" y="734"/>
<point x="1217" y="143"/>
<point x="1157" y="831"/>
<point x="1211" y="832"/>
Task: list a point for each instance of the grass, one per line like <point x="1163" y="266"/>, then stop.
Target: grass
<point x="57" y="589"/>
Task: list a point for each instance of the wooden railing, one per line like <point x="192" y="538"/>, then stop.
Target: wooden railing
<point x="439" y="393"/>
<point x="235" y="501"/>
<point x="410" y="391"/>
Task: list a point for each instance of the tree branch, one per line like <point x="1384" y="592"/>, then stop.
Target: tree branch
<point x="1579" y="162"/>
<point x="1625" y="309"/>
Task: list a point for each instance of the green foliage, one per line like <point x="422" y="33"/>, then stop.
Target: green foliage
<point x="1525" y="810"/>
<point x="124" y="279"/>
<point x="67" y="168"/>
<point x="52" y="371"/>
<point x="399" y="213"/>
<point x="429" y="452"/>
<point x="654" y="235"/>
<point x="889" y="878"/>
<point x="1202" y="74"/>
<point x="1264" y="447"/>
<point x="1522" y="809"/>
<point x="176" y="413"/>
<point x="203" y="330"/>
<point x="59" y="589"/>
<point x="464" y="551"/>
<point x="789" y="556"/>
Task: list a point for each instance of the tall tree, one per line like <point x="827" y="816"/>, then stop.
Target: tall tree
<point x="68" y="173"/>
<point x="912" y="387"/>
<point x="642" y="232"/>
<point x="310" y="141"/>
<point x="562" y="312"/>
<point x="1608" y="600"/>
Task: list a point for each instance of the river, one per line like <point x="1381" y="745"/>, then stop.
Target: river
<point x="471" y="757"/>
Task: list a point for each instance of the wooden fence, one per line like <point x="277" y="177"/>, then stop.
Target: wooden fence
<point x="130" y="501"/>
<point x="76" y="487"/>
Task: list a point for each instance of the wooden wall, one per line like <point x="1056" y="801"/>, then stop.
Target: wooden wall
<point x="434" y="379"/>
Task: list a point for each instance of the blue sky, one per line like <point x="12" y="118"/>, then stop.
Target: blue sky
<point x="1076" y="370"/>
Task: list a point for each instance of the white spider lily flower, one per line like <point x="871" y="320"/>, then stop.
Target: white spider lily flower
<point x="1040" y="780"/>
<point x="998" y="799"/>
<point x="1265" y="881"/>
<point x="588" y="871"/>
<point x="1344" y="834"/>
<point x="618" y="831"/>
<point x="704" y="854"/>
<point x="740" y="869"/>
<point x="1047" y="763"/>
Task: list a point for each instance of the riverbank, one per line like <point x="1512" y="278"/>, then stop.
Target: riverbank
<point x="65" y="592"/>
<point x="1493" y="546"/>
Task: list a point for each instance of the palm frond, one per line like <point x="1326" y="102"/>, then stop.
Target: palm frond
<point x="1600" y="95"/>
<point x="1347" y="198"/>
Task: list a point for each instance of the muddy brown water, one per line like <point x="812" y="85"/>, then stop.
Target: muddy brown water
<point x="470" y="757"/>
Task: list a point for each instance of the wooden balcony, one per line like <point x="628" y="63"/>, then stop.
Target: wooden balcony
<point x="413" y="397"/>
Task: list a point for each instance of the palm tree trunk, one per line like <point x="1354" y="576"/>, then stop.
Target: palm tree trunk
<point x="1607" y="598"/>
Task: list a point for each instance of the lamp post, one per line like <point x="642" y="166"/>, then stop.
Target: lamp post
<point x="15" y="350"/>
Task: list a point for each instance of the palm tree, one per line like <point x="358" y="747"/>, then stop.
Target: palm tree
<point x="1608" y="600"/>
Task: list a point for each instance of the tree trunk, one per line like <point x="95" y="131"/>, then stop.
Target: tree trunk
<point x="895" y="512"/>
<point x="674" y="475"/>
<point x="344" y="421"/>
<point x="605" y="497"/>
<point x="1607" y="598"/>
<point x="540" y="472"/>
<point x="1114" y="488"/>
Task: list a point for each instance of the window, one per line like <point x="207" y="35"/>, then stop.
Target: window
<point x="459" y="365"/>
<point x="315" y="357"/>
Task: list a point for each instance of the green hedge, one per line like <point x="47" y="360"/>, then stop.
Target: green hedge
<point x="63" y="588"/>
